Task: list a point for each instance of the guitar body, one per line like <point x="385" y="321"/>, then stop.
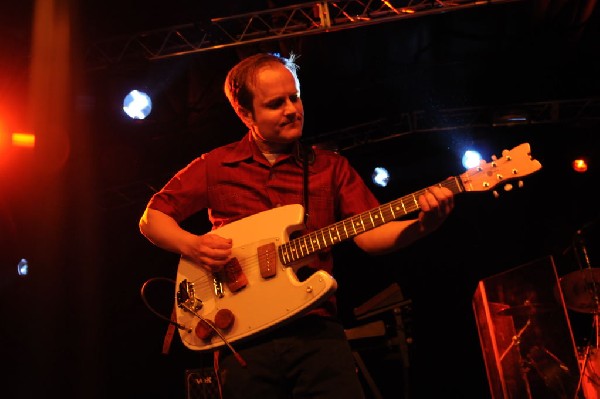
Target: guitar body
<point x="263" y="302"/>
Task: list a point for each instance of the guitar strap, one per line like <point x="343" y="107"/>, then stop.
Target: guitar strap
<point x="305" y="154"/>
<point x="305" y="162"/>
<point x="170" y="332"/>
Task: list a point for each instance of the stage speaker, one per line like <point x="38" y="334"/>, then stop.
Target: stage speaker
<point x="201" y="384"/>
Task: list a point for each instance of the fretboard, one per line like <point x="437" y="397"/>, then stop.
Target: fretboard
<point x="317" y="240"/>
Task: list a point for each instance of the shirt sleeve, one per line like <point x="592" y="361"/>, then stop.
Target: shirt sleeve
<point x="185" y="193"/>
<point x="354" y="195"/>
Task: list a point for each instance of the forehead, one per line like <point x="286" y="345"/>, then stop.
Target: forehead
<point x="274" y="79"/>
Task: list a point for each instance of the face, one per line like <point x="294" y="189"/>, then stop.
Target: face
<point x="278" y="115"/>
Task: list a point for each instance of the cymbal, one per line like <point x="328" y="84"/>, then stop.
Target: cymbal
<point x="527" y="309"/>
<point x="581" y="290"/>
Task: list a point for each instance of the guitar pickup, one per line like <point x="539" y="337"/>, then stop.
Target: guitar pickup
<point x="234" y="275"/>
<point x="267" y="260"/>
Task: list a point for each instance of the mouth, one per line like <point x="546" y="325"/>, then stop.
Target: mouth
<point x="294" y="123"/>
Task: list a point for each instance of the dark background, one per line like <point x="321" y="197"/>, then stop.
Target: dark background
<point x="77" y="326"/>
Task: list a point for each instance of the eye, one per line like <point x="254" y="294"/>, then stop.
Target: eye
<point x="274" y="104"/>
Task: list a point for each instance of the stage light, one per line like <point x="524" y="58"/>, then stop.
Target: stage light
<point x="23" y="267"/>
<point x="471" y="159"/>
<point x="580" y="165"/>
<point x="137" y="104"/>
<point x="381" y="176"/>
<point x="23" y="140"/>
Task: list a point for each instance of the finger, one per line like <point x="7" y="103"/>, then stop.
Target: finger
<point x="444" y="198"/>
<point x="216" y="241"/>
<point x="424" y="202"/>
<point x="435" y="202"/>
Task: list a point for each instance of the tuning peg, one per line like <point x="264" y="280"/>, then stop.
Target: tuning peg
<point x="520" y="183"/>
<point x="508" y="187"/>
<point x="494" y="158"/>
<point x="496" y="195"/>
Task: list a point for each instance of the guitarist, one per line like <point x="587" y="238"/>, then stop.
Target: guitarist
<point x="309" y="357"/>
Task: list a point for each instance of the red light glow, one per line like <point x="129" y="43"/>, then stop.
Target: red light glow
<point x="23" y="139"/>
<point x="580" y="165"/>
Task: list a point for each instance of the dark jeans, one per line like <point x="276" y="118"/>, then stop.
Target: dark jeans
<point x="308" y="358"/>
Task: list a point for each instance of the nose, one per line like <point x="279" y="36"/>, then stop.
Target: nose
<point x="291" y="109"/>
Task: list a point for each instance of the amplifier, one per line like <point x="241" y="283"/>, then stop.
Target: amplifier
<point x="202" y="384"/>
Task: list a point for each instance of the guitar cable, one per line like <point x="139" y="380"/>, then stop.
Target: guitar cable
<point x="143" y="295"/>
<point x="238" y="357"/>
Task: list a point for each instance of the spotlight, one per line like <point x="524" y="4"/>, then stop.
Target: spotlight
<point x="23" y="267"/>
<point x="580" y="165"/>
<point x="137" y="104"/>
<point x="471" y="159"/>
<point x="381" y="176"/>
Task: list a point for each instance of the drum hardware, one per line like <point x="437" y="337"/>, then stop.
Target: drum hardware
<point x="527" y="309"/>
<point x="581" y="294"/>
<point x="580" y="290"/>
<point x="550" y="368"/>
<point x="552" y="371"/>
<point x="516" y="339"/>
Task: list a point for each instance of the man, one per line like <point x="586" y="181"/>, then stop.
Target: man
<point x="308" y="357"/>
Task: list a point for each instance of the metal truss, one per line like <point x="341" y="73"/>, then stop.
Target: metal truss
<point x="275" y="23"/>
<point x="576" y="112"/>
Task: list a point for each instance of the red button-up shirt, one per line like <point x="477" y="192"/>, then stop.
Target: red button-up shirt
<point x="236" y="180"/>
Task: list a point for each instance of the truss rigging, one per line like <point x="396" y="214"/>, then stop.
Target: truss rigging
<point x="275" y="23"/>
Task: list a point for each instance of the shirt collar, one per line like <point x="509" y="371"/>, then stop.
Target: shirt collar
<point x="243" y="150"/>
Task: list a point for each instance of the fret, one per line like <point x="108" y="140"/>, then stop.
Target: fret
<point x="309" y="241"/>
<point x="337" y="230"/>
<point x="380" y="209"/>
<point x="324" y="238"/>
<point x="302" y="245"/>
<point x="392" y="211"/>
<point x="293" y="251"/>
<point x="313" y="238"/>
<point x="376" y="220"/>
<point x="284" y="253"/>
<point x="330" y="236"/>
<point x="353" y="227"/>
<point x="360" y="223"/>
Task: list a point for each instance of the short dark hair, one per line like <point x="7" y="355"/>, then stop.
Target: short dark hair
<point x="239" y="83"/>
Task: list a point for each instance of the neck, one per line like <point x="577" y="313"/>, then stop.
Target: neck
<point x="271" y="147"/>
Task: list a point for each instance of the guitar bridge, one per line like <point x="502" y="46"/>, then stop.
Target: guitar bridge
<point x="186" y="299"/>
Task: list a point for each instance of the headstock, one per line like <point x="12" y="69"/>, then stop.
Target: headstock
<point x="513" y="165"/>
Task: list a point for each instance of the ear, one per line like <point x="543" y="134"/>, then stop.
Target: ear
<point x="246" y="116"/>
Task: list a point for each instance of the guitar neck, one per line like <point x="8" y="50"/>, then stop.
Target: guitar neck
<point x="315" y="241"/>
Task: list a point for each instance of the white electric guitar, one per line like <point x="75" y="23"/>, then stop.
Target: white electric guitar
<point x="259" y="286"/>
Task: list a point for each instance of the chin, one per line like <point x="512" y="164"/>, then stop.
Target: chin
<point x="291" y="134"/>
